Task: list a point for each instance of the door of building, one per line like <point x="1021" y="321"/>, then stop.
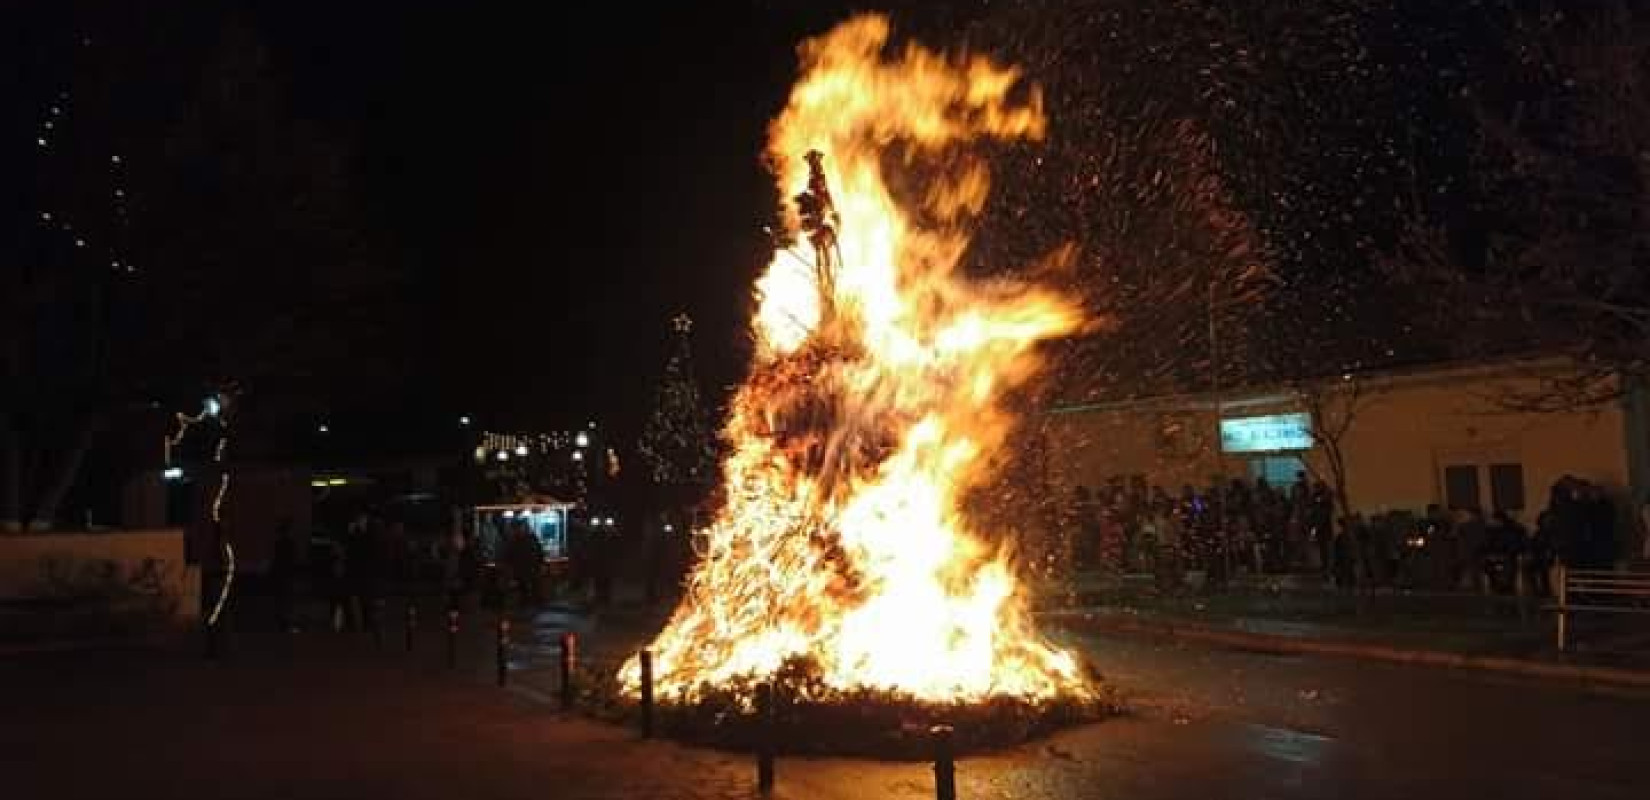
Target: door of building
<point x="1279" y="470"/>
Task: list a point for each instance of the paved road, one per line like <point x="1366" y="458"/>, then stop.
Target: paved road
<point x="323" y="716"/>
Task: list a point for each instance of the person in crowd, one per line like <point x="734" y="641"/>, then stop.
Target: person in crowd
<point x="1599" y="519"/>
<point x="1167" y="560"/>
<point x="1266" y="520"/>
<point x="327" y="574"/>
<point x="1214" y="540"/>
<point x="283" y="576"/>
<point x="528" y="563"/>
<point x="1504" y="541"/>
<point x="1086" y="522"/>
<point x="1112" y="537"/>
<point x="1644" y="530"/>
<point x="1469" y="549"/>
<point x="1565" y="525"/>
<point x="1188" y="506"/>
<point x="1381" y="552"/>
<point x="361" y="572"/>
<point x="1345" y="555"/>
<point x="1160" y="499"/>
<point x="453" y="579"/>
<point x="1320" y="521"/>
<point x="396" y="549"/>
<point x="1143" y="540"/>
<point x="1541" y="554"/>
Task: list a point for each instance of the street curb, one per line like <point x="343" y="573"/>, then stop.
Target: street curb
<point x="1290" y="645"/>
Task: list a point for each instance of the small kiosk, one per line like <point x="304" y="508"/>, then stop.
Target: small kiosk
<point x="545" y="517"/>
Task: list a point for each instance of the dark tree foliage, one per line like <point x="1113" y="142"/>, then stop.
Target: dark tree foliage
<point x="181" y="231"/>
<point x="1228" y="170"/>
<point x="1553" y="250"/>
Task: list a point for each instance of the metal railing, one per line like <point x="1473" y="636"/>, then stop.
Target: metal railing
<point x="1599" y="591"/>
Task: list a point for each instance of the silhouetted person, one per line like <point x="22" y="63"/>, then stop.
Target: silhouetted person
<point x="1504" y="541"/>
<point x="1599" y="519"/>
<point x="1320" y="518"/>
<point x="1086" y="518"/>
<point x="1541" y="554"/>
<point x="524" y="558"/>
<point x="1345" y="557"/>
<point x="362" y="567"/>
<point x="326" y="571"/>
<point x="1470" y="536"/>
<point x="283" y="567"/>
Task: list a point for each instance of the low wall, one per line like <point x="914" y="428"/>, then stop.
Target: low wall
<point x="124" y="564"/>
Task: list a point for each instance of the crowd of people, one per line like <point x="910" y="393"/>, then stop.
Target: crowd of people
<point x="1128" y="526"/>
<point x="351" y="575"/>
<point x="1252" y="526"/>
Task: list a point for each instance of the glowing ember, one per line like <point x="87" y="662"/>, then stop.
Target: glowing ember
<point x="871" y="403"/>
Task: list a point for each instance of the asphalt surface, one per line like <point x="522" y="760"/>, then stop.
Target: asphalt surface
<point x="323" y="715"/>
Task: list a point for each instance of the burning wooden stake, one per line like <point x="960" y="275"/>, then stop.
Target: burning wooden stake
<point x="569" y="652"/>
<point x="945" y="766"/>
<point x="647" y="693"/>
<point x="503" y="656"/>
<point x="764" y="738"/>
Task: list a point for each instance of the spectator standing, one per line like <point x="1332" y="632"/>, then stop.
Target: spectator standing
<point x="1469" y="549"/>
<point x="1320" y="521"/>
<point x="283" y="568"/>
<point x="1599" y="518"/>
<point x="1167" y="561"/>
<point x="361" y="572"/>
<point x="1541" y="554"/>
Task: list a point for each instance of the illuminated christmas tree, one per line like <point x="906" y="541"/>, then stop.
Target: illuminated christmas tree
<point x="676" y="446"/>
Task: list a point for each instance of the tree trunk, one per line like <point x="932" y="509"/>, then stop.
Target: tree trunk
<point x="64" y="473"/>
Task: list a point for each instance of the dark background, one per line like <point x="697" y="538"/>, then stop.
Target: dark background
<point x="550" y="184"/>
<point x="561" y="182"/>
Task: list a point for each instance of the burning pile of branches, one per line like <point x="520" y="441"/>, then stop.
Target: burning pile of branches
<point x="842" y="569"/>
<point x="810" y="718"/>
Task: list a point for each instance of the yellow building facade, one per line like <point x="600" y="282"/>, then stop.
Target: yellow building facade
<point x="1445" y="435"/>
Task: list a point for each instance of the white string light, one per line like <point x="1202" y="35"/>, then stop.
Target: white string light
<point x="211" y="408"/>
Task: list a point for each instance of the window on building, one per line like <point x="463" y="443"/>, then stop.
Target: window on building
<point x="1461" y="486"/>
<point x="1507" y="487"/>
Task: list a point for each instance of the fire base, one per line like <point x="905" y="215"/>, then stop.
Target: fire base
<point x="810" y="719"/>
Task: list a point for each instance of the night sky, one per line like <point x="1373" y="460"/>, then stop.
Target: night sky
<point x="559" y="186"/>
<point x="551" y="185"/>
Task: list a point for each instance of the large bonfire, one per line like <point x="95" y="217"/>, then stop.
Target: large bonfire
<point x="872" y="403"/>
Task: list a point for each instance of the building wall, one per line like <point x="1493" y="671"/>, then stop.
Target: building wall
<point x="259" y="499"/>
<point x="24" y="560"/>
<point x="1406" y="431"/>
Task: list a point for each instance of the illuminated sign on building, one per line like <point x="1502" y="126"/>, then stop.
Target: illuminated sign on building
<point x="1268" y="434"/>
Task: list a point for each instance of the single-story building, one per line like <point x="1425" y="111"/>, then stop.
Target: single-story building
<point x="1445" y="434"/>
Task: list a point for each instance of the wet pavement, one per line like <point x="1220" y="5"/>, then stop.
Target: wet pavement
<point x="320" y="715"/>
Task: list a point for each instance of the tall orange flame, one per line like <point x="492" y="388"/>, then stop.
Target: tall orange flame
<point x="872" y="401"/>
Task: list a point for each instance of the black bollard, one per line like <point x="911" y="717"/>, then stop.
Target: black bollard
<point x="945" y="765"/>
<point x="764" y="738"/>
<point x="503" y="650"/>
<point x="646" y="659"/>
<point x="569" y="653"/>
<point x="377" y="622"/>
<point x="412" y="623"/>
<point x="452" y="638"/>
